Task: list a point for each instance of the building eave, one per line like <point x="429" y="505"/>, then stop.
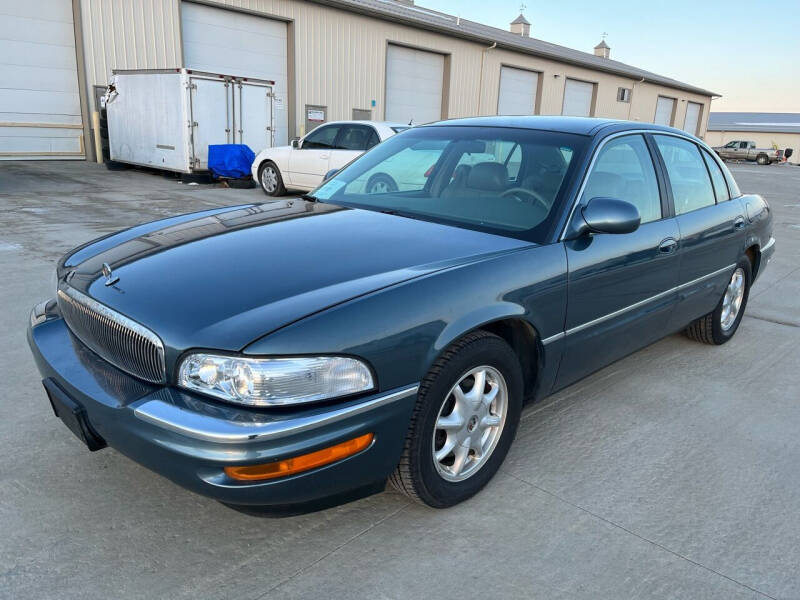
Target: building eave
<point x="483" y="34"/>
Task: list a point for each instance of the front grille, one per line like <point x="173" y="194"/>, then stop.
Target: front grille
<point x="114" y="337"/>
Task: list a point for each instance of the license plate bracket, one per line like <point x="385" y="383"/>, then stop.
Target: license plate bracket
<point x="73" y="415"/>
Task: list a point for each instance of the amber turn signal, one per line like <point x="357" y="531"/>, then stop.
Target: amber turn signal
<point x="301" y="463"/>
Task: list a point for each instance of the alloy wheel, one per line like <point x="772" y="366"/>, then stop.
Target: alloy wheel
<point x="269" y="179"/>
<point x="470" y="423"/>
<point x="379" y="187"/>
<point x="732" y="301"/>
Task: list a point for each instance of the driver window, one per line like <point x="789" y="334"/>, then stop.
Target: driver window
<point x="321" y="138"/>
<point x="624" y="170"/>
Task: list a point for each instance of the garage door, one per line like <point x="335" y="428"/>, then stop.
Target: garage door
<point x="577" y="98"/>
<point x="413" y="85"/>
<point x="692" y="117"/>
<point x="664" y="109"/>
<point x="40" y="107"/>
<point x="234" y="43"/>
<point x="517" y="91"/>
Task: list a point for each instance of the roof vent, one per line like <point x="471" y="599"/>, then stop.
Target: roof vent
<point x="520" y="26"/>
<point x="602" y="49"/>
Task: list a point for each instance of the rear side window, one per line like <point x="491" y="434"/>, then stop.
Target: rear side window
<point x="717" y="178"/>
<point x="688" y="177"/>
<point x="624" y="170"/>
<point x="354" y="137"/>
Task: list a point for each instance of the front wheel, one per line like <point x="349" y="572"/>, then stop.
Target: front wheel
<point x="381" y="183"/>
<point x="466" y="416"/>
<point x="269" y="176"/>
<point x="719" y="326"/>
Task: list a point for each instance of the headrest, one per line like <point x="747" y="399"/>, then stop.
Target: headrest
<point x="488" y="176"/>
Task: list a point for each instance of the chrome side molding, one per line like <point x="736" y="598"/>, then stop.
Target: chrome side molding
<point x="639" y="304"/>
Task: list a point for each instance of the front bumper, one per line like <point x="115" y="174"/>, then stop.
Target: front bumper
<point x="190" y="439"/>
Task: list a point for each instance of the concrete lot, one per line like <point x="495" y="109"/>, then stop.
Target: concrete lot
<point x="671" y="474"/>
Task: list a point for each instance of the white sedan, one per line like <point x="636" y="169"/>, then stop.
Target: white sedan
<point x="304" y="164"/>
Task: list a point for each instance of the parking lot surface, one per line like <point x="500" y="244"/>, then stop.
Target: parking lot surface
<point x="671" y="474"/>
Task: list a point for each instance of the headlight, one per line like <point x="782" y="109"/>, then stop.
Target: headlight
<point x="274" y="381"/>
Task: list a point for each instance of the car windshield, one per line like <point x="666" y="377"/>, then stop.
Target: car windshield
<point x="500" y="180"/>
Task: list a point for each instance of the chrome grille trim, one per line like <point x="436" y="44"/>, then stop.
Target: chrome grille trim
<point x="114" y="337"/>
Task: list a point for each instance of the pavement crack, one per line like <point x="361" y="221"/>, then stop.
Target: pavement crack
<point x="636" y="535"/>
<point x="332" y="551"/>
<point x="775" y="321"/>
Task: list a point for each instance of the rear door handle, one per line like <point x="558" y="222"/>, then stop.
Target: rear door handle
<point x="668" y="246"/>
<point x="738" y="223"/>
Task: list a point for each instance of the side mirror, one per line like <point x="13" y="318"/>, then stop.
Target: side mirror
<point x="329" y="174"/>
<point x="295" y="143"/>
<point x="606" y="215"/>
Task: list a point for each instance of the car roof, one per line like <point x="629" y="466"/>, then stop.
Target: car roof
<point x="578" y="125"/>
<point x="364" y="121"/>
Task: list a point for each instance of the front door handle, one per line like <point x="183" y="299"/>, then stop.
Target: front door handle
<point x="324" y="155"/>
<point x="668" y="246"/>
<point x="739" y="223"/>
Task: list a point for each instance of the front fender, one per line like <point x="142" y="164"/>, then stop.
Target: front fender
<point x="400" y="330"/>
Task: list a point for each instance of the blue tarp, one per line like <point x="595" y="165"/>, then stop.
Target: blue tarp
<point x="230" y="160"/>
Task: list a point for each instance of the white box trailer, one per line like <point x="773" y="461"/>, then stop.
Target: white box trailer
<point x="166" y="119"/>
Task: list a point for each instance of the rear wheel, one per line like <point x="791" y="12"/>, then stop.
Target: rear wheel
<point x="763" y="159"/>
<point x="466" y="416"/>
<point x="269" y="176"/>
<point x="719" y="326"/>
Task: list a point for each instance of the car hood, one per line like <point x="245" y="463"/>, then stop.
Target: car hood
<point x="222" y="279"/>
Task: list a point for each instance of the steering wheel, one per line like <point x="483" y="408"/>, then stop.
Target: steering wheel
<point x="515" y="191"/>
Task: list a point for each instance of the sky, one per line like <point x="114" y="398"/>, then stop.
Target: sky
<point x="749" y="52"/>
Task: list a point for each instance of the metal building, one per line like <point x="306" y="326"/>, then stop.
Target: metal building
<point x="330" y="59"/>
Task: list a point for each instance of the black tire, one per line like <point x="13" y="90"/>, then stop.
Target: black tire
<point x="381" y="183"/>
<point x="113" y="165"/>
<point x="763" y="159"/>
<point x="708" y="329"/>
<point x="243" y="183"/>
<point x="416" y="474"/>
<point x="279" y="190"/>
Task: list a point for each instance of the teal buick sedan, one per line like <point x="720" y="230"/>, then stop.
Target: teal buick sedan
<point x="302" y="352"/>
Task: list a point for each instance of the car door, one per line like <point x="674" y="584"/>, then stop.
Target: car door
<point x="353" y="140"/>
<point x="309" y="163"/>
<point x="728" y="151"/>
<point x="621" y="286"/>
<point x="711" y="225"/>
<point x="740" y="152"/>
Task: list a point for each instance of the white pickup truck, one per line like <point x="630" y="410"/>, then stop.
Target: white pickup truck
<point x="746" y="150"/>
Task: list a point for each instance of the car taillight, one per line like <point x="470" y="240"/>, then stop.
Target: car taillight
<point x="430" y="170"/>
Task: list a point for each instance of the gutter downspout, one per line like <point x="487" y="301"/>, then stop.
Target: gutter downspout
<point x="633" y="89"/>
<point x="480" y="77"/>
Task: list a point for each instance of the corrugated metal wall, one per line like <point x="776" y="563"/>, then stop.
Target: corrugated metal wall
<point x="339" y="60"/>
<point x="120" y="34"/>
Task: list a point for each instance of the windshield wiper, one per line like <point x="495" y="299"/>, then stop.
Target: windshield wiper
<point x="309" y="197"/>
<point x="397" y="213"/>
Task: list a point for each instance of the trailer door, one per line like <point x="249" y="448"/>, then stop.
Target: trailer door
<point x="211" y="114"/>
<point x="253" y="116"/>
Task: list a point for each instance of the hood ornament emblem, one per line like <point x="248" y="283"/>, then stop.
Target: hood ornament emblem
<point x="109" y="275"/>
